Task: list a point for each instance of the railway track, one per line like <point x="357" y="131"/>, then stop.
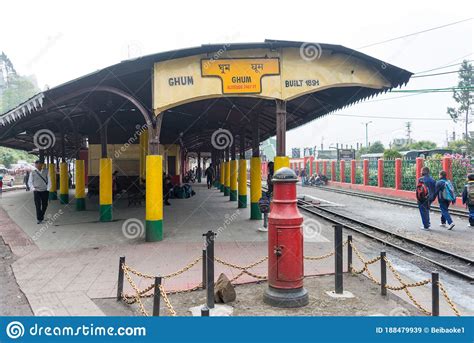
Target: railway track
<point x="453" y="263"/>
<point x="407" y="203"/>
<point x="461" y="266"/>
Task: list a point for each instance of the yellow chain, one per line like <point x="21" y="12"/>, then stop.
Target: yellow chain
<point x="405" y="288"/>
<point x="322" y="257"/>
<point x="236" y="266"/>
<point x="167" y="301"/>
<point x="448" y="299"/>
<point x="137" y="295"/>
<point x="168" y="276"/>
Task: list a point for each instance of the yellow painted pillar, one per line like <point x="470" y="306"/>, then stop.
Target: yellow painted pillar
<point x="221" y="176"/>
<point x="242" y="203"/>
<point x="154" y="198"/>
<point x="80" y="186"/>
<point x="53" y="195"/>
<point x="143" y="140"/>
<point x="105" y="190"/>
<point x="280" y="162"/>
<point x="63" y="184"/>
<point x="227" y="178"/>
<point x="255" y="187"/>
<point x="233" y="180"/>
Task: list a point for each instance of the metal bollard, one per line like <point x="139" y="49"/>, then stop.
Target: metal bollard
<point x="349" y="253"/>
<point x="156" y="297"/>
<point x="435" y="294"/>
<point x="204" y="269"/>
<point x="210" y="268"/>
<point x="383" y="273"/>
<point x="205" y="312"/>
<point x="339" y="289"/>
<point x="120" y="278"/>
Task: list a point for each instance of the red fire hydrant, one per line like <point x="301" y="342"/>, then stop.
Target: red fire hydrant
<point x="285" y="245"/>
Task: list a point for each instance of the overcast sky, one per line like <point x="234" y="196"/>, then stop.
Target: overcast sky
<point x="61" y="40"/>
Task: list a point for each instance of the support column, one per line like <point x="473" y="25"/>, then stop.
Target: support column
<point x="227" y="174"/>
<point x="222" y="175"/>
<point x="199" y="167"/>
<point x="53" y="195"/>
<point x="447" y="164"/>
<point x="233" y="175"/>
<point x="317" y="167"/>
<point x="154" y="184"/>
<point x="255" y="171"/>
<point x="80" y="186"/>
<point x="143" y="140"/>
<point x="242" y="203"/>
<point x="419" y="166"/>
<point x="333" y="171"/>
<point x="63" y="183"/>
<point x="105" y="190"/>
<point x="281" y="160"/>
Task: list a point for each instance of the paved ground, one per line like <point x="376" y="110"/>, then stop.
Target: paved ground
<point x="402" y="220"/>
<point x="65" y="264"/>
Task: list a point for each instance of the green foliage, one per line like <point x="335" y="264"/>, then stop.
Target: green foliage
<point x="422" y="145"/>
<point x="463" y="97"/>
<point x="19" y="89"/>
<point x="9" y="156"/>
<point x="460" y="145"/>
<point x="391" y="154"/>
<point x="376" y="147"/>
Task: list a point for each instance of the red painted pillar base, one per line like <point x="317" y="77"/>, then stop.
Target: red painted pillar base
<point x="380" y="172"/>
<point x="365" y="170"/>
<point x="398" y="173"/>
<point x="419" y="166"/>
<point x="448" y="167"/>
<point x="353" y="171"/>
<point x="333" y="170"/>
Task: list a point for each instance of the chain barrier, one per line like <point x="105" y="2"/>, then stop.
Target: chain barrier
<point x="144" y="293"/>
<point x="448" y="299"/>
<point x="322" y="257"/>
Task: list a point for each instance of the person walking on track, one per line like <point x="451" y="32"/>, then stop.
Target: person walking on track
<point x="209" y="175"/>
<point x="446" y="195"/>
<point x="425" y="195"/>
<point x="468" y="198"/>
<point x="39" y="183"/>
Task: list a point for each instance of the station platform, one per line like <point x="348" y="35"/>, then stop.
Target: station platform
<point x="65" y="264"/>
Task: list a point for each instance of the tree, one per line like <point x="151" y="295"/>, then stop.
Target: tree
<point x="391" y="154"/>
<point x="460" y="146"/>
<point x="463" y="97"/>
<point x="19" y="89"/>
<point x="422" y="145"/>
<point x="376" y="147"/>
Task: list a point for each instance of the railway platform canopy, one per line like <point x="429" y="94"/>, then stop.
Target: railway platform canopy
<point x="144" y="117"/>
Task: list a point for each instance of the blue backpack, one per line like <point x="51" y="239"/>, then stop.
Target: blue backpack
<point x="448" y="191"/>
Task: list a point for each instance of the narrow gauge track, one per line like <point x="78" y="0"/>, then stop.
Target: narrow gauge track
<point x="458" y="265"/>
<point x="461" y="266"/>
<point x="408" y="203"/>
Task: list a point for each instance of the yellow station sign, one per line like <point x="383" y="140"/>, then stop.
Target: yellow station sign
<point x="240" y="75"/>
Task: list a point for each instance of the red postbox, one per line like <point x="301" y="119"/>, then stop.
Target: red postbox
<point x="285" y="245"/>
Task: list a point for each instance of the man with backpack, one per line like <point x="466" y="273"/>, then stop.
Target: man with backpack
<point x="425" y="195"/>
<point x="446" y="195"/>
<point x="468" y="198"/>
<point x="39" y="183"/>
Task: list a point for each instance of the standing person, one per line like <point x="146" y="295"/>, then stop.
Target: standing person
<point x="38" y="182"/>
<point x="468" y="198"/>
<point x="425" y="195"/>
<point x="446" y="196"/>
<point x="269" y="179"/>
<point x="209" y="175"/>
<point x="26" y="179"/>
